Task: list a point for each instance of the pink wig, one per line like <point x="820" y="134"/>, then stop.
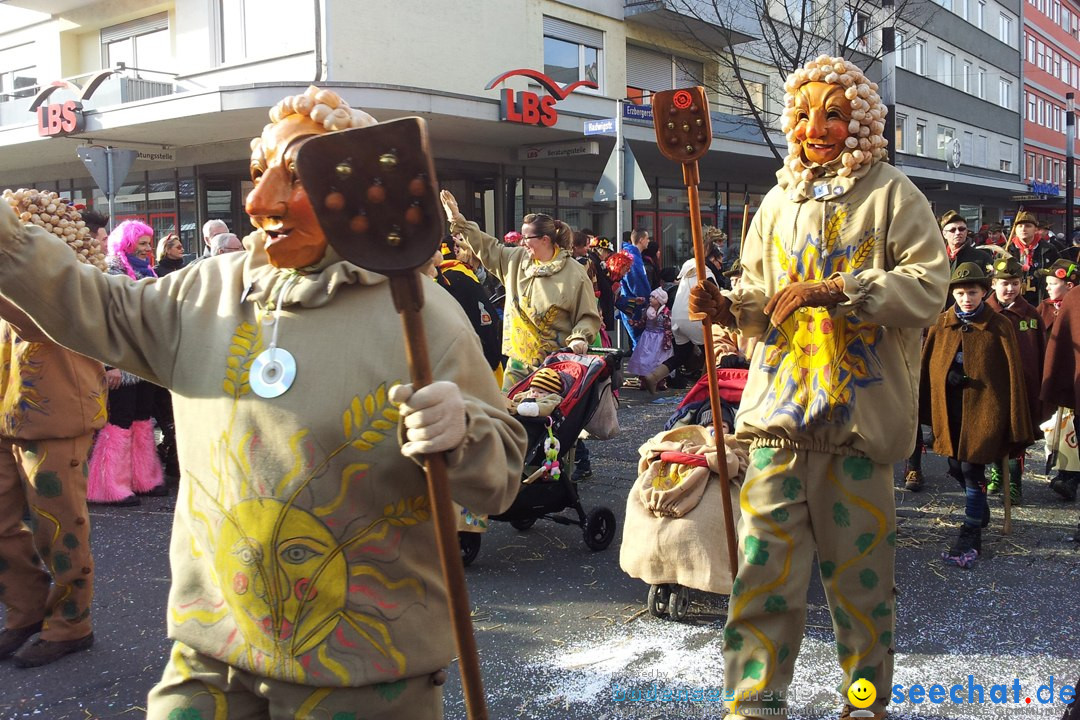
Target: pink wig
<point x="125" y="238"/>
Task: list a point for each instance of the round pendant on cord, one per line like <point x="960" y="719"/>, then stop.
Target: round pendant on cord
<point x="272" y="372"/>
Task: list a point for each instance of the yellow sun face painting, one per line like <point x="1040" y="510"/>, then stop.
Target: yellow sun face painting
<point x="304" y="574"/>
<point x="818" y="356"/>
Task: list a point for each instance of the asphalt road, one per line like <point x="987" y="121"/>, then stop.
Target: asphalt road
<point x="563" y="632"/>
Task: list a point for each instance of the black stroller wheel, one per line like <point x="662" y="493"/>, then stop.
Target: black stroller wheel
<point x="679" y="603"/>
<point x="522" y="524"/>
<point x="599" y="528"/>
<point x="658" y="600"/>
<point x="470" y="547"/>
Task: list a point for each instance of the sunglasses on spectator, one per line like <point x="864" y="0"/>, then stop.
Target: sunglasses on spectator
<point x="957" y="229"/>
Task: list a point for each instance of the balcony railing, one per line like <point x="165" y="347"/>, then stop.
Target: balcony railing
<point x="114" y="90"/>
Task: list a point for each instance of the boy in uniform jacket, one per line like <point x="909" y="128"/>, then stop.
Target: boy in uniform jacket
<point x="973" y="395"/>
<point x="1006" y="278"/>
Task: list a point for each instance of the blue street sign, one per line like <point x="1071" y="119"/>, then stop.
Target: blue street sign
<point x="600" y="127"/>
<point x="642" y="113"/>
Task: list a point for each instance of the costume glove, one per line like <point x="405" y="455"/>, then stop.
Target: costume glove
<point x="450" y="207"/>
<point x="579" y="346"/>
<point x="707" y="300"/>
<point x="434" y="417"/>
<point x="825" y="293"/>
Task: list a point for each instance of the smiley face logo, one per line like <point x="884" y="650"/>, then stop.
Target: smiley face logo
<point x="862" y="693"/>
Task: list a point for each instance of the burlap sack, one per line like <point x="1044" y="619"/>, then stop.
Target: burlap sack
<point x="690" y="550"/>
<point x="604" y="422"/>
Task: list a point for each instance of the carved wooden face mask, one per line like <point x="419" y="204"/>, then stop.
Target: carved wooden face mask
<point x="279" y="204"/>
<point x="822" y="118"/>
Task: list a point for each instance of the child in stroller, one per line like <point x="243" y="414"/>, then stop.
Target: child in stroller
<point x="566" y="394"/>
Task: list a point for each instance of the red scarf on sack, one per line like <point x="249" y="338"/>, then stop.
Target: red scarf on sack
<point x="1025" y="251"/>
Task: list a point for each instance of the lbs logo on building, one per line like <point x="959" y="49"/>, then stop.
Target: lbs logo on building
<point x="528" y="108"/>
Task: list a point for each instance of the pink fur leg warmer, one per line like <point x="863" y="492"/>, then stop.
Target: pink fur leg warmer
<point x="146" y="473"/>
<point x="109" y="480"/>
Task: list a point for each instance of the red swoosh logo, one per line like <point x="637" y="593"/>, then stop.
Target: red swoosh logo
<point x="550" y="85"/>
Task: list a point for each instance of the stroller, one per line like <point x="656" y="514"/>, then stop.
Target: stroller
<point x="676" y="553"/>
<point x="542" y="496"/>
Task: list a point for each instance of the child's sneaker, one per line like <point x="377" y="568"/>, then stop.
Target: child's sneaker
<point x="993" y="485"/>
<point x="966" y="548"/>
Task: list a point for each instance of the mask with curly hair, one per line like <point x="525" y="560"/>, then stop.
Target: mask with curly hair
<point x="278" y="204"/>
<point x="860" y="105"/>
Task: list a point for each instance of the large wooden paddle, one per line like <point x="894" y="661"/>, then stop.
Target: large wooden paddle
<point x="684" y="133"/>
<point x="377" y="199"/>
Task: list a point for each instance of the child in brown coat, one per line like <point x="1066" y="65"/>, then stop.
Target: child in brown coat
<point x="1061" y="277"/>
<point x="1006" y="277"/>
<point x="973" y="395"/>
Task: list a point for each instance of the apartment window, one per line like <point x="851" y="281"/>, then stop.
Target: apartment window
<point x="967" y="76"/>
<point x="980" y="84"/>
<point x="901" y="131"/>
<point x="142" y="43"/>
<point x="920" y="138"/>
<point x="1056" y="70"/>
<point x="1005" y="29"/>
<point x="1042" y="112"/>
<point x="1029" y="166"/>
<point x="1005" y="93"/>
<point x="246" y="25"/>
<point x="796" y="10"/>
<point x="1056" y="177"/>
<point x="980" y="14"/>
<point x="945" y="137"/>
<point x="648" y="71"/>
<point x="947" y="4"/>
<point x="900" y="48"/>
<point x="18" y="72"/>
<point x="1005" y="162"/>
<point x="947" y="67"/>
<point x="1057" y="118"/>
<point x="964" y="12"/>
<point x="1032" y="107"/>
<point x="858" y="30"/>
<point x="1031" y="49"/>
<point x="918" y="63"/>
<point x="982" y="143"/>
<point x="572" y="52"/>
<point x="1066" y="71"/>
<point x="967" y="145"/>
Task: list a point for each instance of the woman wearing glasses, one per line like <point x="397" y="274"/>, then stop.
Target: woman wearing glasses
<point x="549" y="298"/>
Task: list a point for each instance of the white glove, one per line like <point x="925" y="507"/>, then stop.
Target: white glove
<point x="434" y="417"/>
<point x="579" y="346"/>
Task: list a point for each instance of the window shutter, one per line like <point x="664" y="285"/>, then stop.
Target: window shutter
<point x="647" y="70"/>
<point x="141" y="26"/>
<point x="688" y="73"/>
<point x="563" y="30"/>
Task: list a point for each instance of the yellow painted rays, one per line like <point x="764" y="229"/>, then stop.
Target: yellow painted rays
<point x="818" y="356"/>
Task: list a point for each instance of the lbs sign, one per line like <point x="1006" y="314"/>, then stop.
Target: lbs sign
<point x="60" y="119"/>
<point x="528" y="108"/>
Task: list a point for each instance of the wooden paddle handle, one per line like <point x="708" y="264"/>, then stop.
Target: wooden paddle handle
<point x="406" y="289"/>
